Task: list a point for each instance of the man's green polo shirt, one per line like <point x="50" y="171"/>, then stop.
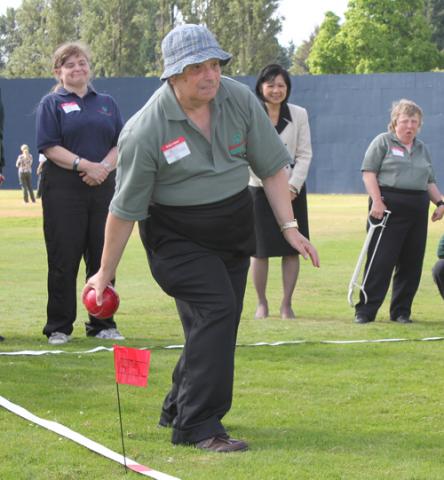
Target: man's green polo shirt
<point x="395" y="166"/>
<point x="164" y="158"/>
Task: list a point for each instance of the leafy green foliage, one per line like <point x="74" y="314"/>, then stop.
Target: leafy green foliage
<point x="327" y="53"/>
<point x="125" y="36"/>
<point x="300" y="55"/>
<point x="377" y="36"/>
<point x="435" y="17"/>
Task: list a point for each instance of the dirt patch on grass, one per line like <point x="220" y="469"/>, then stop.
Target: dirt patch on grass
<point x="12" y="205"/>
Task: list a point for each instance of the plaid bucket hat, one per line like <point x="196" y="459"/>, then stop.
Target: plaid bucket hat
<point x="188" y="44"/>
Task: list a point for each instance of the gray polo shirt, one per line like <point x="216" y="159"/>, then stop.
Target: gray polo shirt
<point x="164" y="158"/>
<point x="395" y="166"/>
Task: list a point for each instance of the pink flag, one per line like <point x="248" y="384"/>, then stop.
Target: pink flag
<point x="131" y="365"/>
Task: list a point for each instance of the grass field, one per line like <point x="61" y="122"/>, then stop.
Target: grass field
<point x="309" y="411"/>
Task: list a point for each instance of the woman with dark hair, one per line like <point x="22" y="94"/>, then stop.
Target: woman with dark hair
<point x="273" y="88"/>
<point x="77" y="131"/>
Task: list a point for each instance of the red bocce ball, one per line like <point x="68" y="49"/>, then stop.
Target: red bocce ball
<point x="110" y="303"/>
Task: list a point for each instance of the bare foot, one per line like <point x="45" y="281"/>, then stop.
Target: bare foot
<point x="287" y="313"/>
<point x="261" y="311"/>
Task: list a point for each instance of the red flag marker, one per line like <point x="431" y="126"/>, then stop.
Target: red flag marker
<point x="131" y="365"/>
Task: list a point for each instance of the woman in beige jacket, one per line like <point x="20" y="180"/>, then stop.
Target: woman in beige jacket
<point x="273" y="88"/>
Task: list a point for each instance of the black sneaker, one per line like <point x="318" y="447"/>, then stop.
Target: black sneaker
<point x="222" y="444"/>
<point x="359" y="318"/>
<point x="402" y="319"/>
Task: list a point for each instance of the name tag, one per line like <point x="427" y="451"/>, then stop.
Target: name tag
<point x="399" y="152"/>
<point x="69" y="107"/>
<point x="175" y="150"/>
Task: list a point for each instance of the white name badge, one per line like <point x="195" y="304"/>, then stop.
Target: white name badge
<point x="399" y="152"/>
<point x="175" y="150"/>
<point x="69" y="107"/>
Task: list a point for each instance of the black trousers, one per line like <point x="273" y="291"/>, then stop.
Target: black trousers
<point x="209" y="297"/>
<point x="25" y="179"/>
<point x="401" y="251"/>
<point x="200" y="256"/>
<point x="74" y="217"/>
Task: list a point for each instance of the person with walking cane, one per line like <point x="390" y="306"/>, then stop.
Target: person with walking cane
<point x="399" y="178"/>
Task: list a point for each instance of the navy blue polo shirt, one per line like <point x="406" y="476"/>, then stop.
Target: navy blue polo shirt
<point x="88" y="127"/>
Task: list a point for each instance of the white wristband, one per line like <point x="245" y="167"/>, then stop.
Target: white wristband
<point x="291" y="224"/>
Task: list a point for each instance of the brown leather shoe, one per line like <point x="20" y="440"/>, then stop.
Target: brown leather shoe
<point x="222" y="443"/>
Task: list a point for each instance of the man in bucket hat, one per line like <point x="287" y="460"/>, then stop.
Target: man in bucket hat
<point x="183" y="174"/>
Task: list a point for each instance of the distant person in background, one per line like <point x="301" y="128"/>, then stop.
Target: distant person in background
<point x="77" y="131"/>
<point x="438" y="268"/>
<point x="273" y="87"/>
<point x="2" y="154"/>
<point x="24" y="165"/>
<point x="398" y="176"/>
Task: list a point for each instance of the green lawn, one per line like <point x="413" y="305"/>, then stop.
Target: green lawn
<point x="309" y="411"/>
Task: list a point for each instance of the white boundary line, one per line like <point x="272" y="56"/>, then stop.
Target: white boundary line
<point x="258" y="344"/>
<point x="84" y="441"/>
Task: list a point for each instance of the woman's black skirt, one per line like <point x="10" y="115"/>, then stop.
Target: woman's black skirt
<point x="269" y="240"/>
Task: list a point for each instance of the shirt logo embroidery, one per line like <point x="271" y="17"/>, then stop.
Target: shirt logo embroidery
<point x="175" y="150"/>
<point x="238" y="145"/>
<point x="69" y="107"/>
<point x="104" y="111"/>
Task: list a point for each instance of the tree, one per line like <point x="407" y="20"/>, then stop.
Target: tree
<point x="31" y="57"/>
<point x="125" y="35"/>
<point x="9" y="38"/>
<point x="62" y="21"/>
<point x="114" y="30"/>
<point x="388" y="36"/>
<point x="377" y="36"/>
<point x="32" y="32"/>
<point x="245" y="28"/>
<point x="299" y="65"/>
<point x="328" y="53"/>
<point x="434" y="11"/>
<point x="286" y="54"/>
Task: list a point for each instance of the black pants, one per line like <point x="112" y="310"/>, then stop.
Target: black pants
<point x="25" y="179"/>
<point x="74" y="217"/>
<point x="401" y="250"/>
<point x="209" y="297"/>
<point x="200" y="256"/>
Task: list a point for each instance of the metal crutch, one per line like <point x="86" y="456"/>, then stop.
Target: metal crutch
<point x="354" y="280"/>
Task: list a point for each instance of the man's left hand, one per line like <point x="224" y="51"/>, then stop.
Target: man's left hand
<point x="302" y="245"/>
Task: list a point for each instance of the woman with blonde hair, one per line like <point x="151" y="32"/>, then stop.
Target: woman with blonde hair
<point x="24" y="165"/>
<point x="77" y="131"/>
<point x="398" y="176"/>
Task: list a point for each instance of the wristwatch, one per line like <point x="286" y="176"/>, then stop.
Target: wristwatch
<point x="75" y="164"/>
